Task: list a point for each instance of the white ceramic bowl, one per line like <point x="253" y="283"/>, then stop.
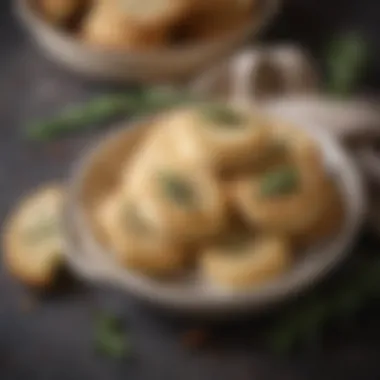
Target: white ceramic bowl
<point x="172" y="64"/>
<point x="95" y="175"/>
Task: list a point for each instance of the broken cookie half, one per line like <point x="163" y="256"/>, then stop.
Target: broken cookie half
<point x="32" y="237"/>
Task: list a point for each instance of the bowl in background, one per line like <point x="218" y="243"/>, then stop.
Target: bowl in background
<point x="171" y="64"/>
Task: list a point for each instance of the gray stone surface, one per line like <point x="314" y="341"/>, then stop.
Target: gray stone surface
<point x="54" y="340"/>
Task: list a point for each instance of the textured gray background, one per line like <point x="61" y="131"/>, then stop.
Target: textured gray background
<point x="53" y="341"/>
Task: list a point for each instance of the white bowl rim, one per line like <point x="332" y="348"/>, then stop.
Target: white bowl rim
<point x="292" y="283"/>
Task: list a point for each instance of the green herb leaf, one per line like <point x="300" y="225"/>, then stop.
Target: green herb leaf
<point x="282" y="181"/>
<point x="99" y="110"/>
<point x="222" y="115"/>
<point x="346" y="58"/>
<point x="161" y="98"/>
<point x="82" y="117"/>
<point x="110" y="337"/>
<point x="307" y="319"/>
<point x="177" y="188"/>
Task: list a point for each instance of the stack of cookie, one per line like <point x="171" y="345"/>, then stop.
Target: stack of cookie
<point x="221" y="190"/>
<point x="143" y="24"/>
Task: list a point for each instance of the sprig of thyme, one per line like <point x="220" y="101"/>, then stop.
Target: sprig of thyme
<point x="346" y="57"/>
<point x="92" y="114"/>
<point x="110" y="336"/>
<point x="308" y="318"/>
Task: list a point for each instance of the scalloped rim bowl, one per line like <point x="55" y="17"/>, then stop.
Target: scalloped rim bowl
<point x="92" y="178"/>
<point x="154" y="66"/>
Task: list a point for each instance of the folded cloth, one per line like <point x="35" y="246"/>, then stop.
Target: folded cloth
<point x="260" y="73"/>
<point x="284" y="81"/>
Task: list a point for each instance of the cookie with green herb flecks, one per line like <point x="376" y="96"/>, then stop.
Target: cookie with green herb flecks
<point x="32" y="237"/>
<point x="220" y="135"/>
<point x="285" y="197"/>
<point x="243" y="261"/>
<point x="184" y="202"/>
<point x="134" y="241"/>
<point x="182" y="194"/>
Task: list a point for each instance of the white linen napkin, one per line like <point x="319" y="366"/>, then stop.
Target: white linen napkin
<point x="283" y="80"/>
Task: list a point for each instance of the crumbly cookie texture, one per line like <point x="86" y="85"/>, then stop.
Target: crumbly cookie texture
<point x="107" y="26"/>
<point x="32" y="237"/>
<point x="243" y="262"/>
<point x="132" y="240"/>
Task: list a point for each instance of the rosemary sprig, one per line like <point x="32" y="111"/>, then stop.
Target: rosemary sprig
<point x="90" y="115"/>
<point x="346" y="57"/>
<point x="222" y="115"/>
<point x="308" y="318"/>
<point x="110" y="337"/>
<point x="81" y="117"/>
<point x="177" y="189"/>
<point x="282" y="181"/>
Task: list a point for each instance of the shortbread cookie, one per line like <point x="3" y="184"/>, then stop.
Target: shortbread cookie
<point x="32" y="237"/>
<point x="285" y="198"/>
<point x="242" y="261"/>
<point x="134" y="242"/>
<point x="222" y="136"/>
<point x="107" y="27"/>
